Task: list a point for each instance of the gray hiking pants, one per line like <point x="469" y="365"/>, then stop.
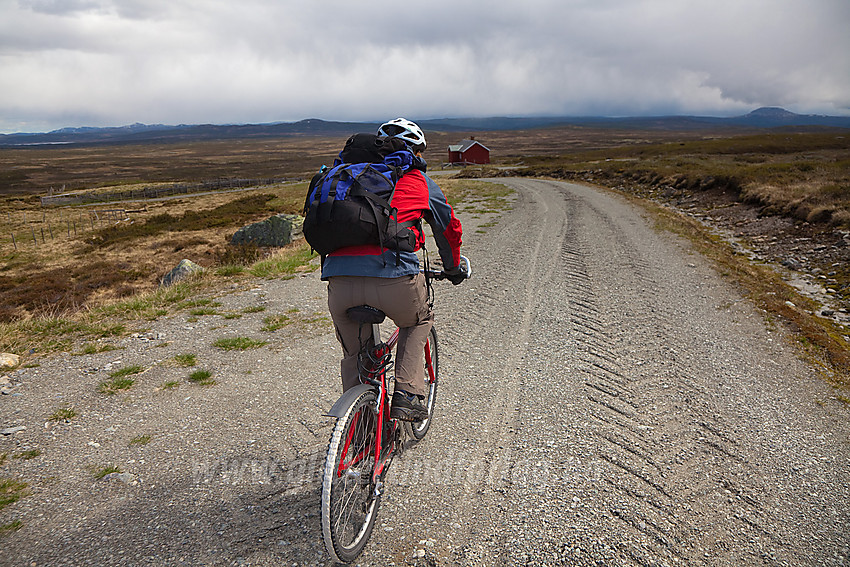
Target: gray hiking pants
<point x="405" y="301"/>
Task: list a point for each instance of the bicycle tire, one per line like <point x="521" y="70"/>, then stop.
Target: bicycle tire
<point x="417" y="430"/>
<point x="349" y="500"/>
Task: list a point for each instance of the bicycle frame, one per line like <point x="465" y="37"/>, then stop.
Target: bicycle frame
<point x="377" y="378"/>
<point x="365" y="438"/>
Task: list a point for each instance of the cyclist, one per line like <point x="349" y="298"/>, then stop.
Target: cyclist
<point x="391" y="281"/>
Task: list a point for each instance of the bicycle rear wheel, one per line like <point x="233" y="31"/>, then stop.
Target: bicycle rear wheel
<point x="349" y="500"/>
<point x="418" y="429"/>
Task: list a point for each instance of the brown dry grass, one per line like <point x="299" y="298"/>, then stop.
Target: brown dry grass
<point x="804" y="175"/>
<point x="92" y="259"/>
<point x="36" y="170"/>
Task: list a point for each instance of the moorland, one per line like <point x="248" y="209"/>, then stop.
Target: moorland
<point x="783" y="193"/>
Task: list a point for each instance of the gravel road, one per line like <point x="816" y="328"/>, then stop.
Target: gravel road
<point x="605" y="399"/>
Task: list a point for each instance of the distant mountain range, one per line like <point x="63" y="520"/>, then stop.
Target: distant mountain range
<point x="767" y="117"/>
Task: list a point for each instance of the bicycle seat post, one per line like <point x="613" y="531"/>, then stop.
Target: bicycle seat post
<point x="376" y="333"/>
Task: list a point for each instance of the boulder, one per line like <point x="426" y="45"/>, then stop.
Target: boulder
<point x="183" y="270"/>
<point x="9" y="361"/>
<point x="278" y="230"/>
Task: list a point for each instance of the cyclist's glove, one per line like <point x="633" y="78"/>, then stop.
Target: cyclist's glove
<point x="455" y="275"/>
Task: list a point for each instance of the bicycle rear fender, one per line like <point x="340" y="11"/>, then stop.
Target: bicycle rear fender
<point x="338" y="409"/>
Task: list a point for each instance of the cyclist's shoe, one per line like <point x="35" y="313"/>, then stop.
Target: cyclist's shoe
<point x="407" y="407"/>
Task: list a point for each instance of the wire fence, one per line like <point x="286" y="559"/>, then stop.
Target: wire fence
<point x="153" y="191"/>
<point x="29" y="228"/>
<point x="36" y="230"/>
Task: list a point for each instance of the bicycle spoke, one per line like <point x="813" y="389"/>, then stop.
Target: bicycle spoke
<point x="348" y="500"/>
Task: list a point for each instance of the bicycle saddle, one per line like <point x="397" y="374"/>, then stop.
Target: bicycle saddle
<point x="366" y="314"/>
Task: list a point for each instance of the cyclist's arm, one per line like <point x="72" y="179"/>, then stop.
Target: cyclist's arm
<point x="446" y="227"/>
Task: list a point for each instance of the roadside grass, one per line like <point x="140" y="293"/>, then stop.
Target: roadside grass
<point x="803" y="175"/>
<point x="12" y="526"/>
<point x="201" y="311"/>
<point x="51" y="334"/>
<point x="274" y="322"/>
<point x="199" y="305"/>
<point x="11" y="491"/>
<point x="476" y="196"/>
<point x="126" y="371"/>
<point x="239" y="343"/>
<point x="115" y="385"/>
<point x="819" y="339"/>
<point x="99" y="473"/>
<point x="169" y="385"/>
<point x="63" y="415"/>
<point x="287" y="262"/>
<point x="185" y="359"/>
<point x="202" y="377"/>
<point x="27" y="455"/>
<point x="56" y="333"/>
<point x="94" y="348"/>
<point x="119" y="380"/>
<point x="230" y="270"/>
<point x="152" y="305"/>
<point x="140" y="440"/>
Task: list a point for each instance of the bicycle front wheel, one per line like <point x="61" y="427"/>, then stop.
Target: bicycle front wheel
<point x="349" y="499"/>
<point x="418" y="429"/>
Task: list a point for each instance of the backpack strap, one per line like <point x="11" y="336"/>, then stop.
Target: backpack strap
<point x="310" y="191"/>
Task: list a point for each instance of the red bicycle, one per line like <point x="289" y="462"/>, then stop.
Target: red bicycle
<point x="365" y="438"/>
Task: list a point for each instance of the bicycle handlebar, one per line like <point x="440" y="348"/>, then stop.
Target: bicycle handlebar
<point x="465" y="266"/>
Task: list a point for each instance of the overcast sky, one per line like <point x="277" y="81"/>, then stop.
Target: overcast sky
<point x="115" y="62"/>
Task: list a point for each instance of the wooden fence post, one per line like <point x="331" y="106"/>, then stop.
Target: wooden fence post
<point x="14" y="242"/>
<point x="34" y="239"/>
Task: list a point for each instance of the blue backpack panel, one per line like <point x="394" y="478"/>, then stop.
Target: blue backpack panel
<point x="349" y="204"/>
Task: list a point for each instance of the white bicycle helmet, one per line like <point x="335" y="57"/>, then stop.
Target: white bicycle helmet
<point x="404" y="130"/>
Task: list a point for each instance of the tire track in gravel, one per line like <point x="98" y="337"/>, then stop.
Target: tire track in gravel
<point x="529" y="242"/>
<point x="640" y="444"/>
<point x="677" y="437"/>
<point x="644" y="412"/>
<point x="514" y="263"/>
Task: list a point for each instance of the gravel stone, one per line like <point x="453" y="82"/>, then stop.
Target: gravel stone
<point x="605" y="398"/>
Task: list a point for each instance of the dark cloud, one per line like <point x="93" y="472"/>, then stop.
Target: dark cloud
<point x="158" y="61"/>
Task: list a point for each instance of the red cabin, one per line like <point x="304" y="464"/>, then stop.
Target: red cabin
<point x="469" y="151"/>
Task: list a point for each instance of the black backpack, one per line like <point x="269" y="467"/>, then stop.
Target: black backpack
<point x="349" y="203"/>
